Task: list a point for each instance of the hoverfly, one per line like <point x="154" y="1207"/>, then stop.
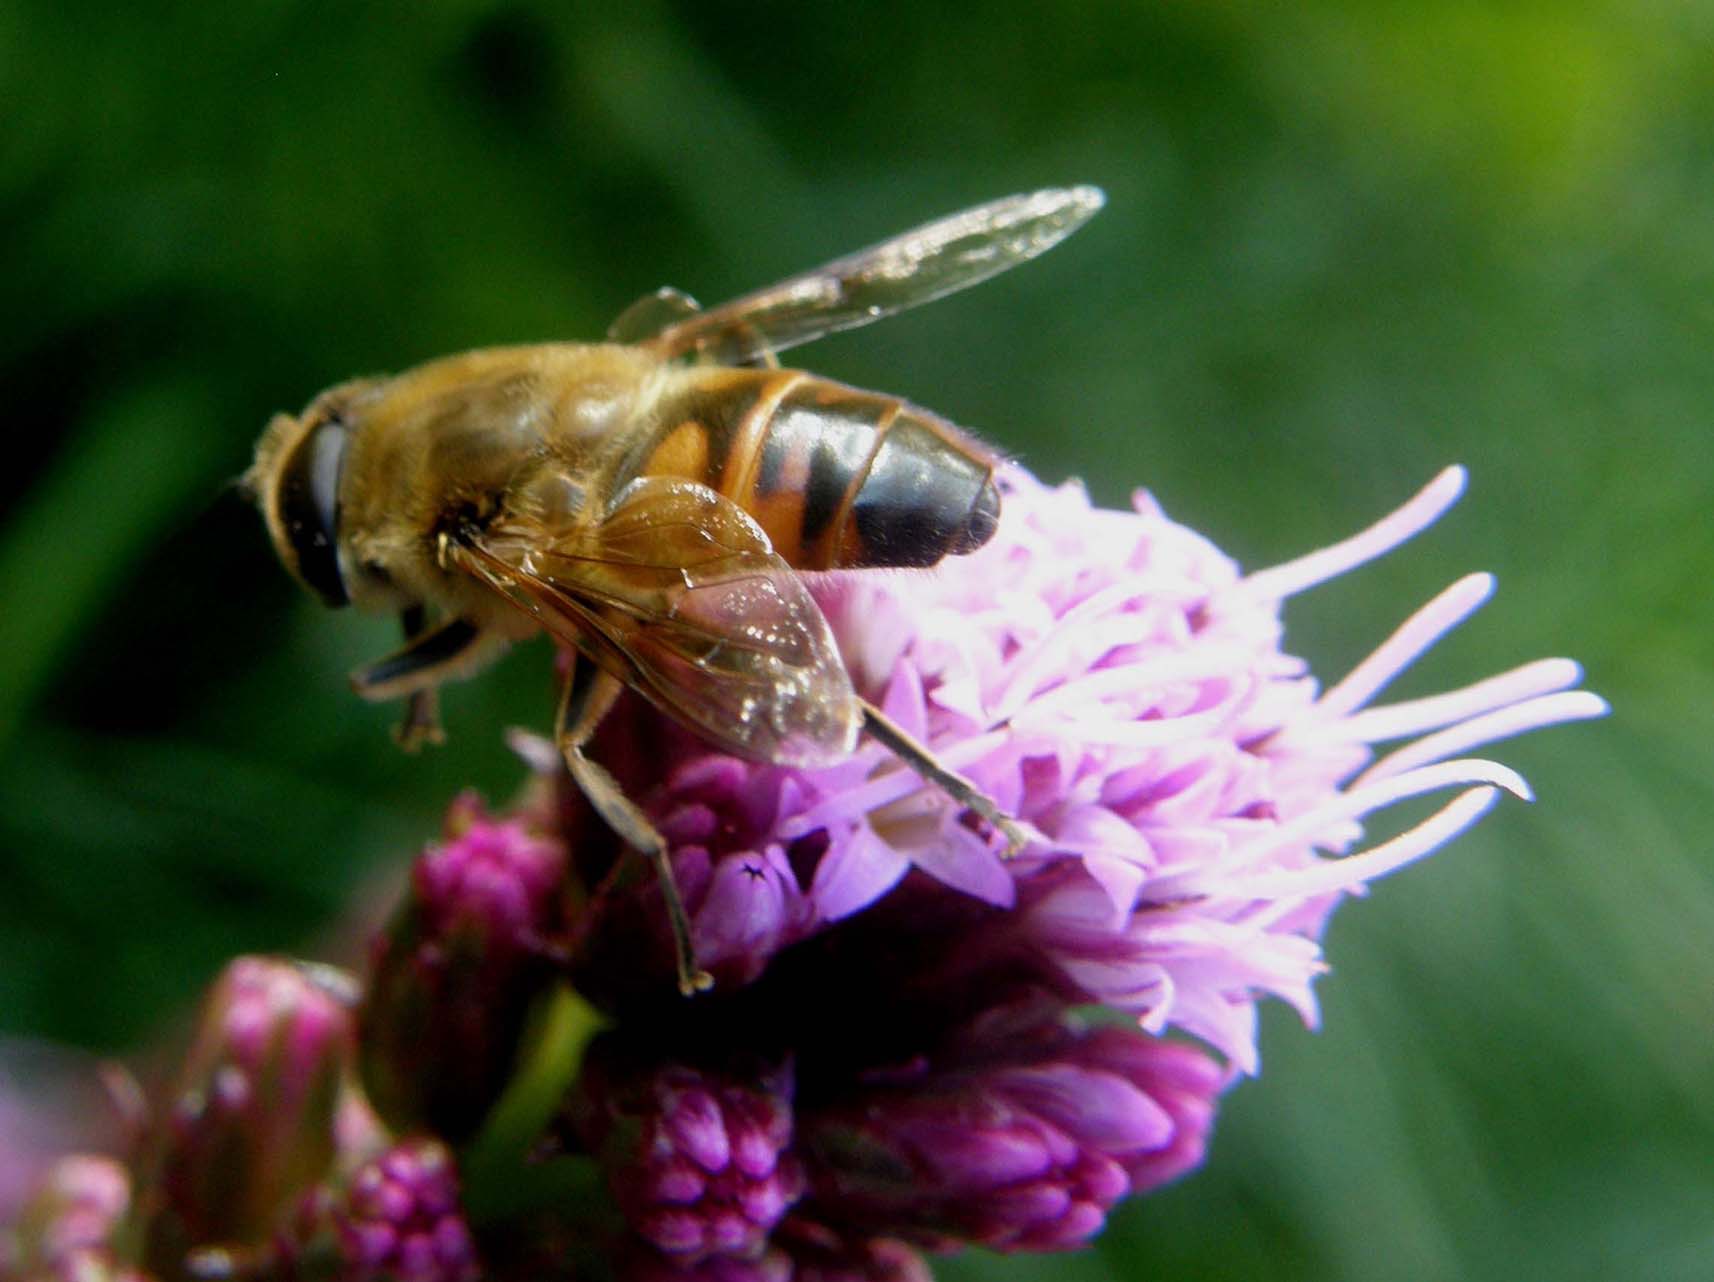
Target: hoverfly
<point x="648" y="501"/>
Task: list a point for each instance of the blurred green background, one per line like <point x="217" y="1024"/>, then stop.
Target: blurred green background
<point x="1347" y="243"/>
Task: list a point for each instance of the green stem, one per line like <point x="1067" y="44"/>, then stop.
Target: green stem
<point x="493" y="1164"/>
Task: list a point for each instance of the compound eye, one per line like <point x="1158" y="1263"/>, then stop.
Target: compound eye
<point x="309" y="509"/>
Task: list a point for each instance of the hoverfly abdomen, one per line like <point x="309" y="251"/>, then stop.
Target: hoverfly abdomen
<point x="927" y="493"/>
<point x="838" y="477"/>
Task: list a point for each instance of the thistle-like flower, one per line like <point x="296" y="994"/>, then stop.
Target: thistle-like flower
<point x="1115" y="682"/>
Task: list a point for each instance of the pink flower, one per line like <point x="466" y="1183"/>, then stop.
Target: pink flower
<point x="1118" y="684"/>
<point x="1195" y="801"/>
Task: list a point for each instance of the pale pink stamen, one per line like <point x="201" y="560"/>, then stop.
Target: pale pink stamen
<point x="1034" y="666"/>
<point x="537" y="753"/>
<point x="1344" y="873"/>
<point x="1396" y="721"/>
<point x="1121" y="730"/>
<point x="1380" y="538"/>
<point x="1503" y="723"/>
<point x="1353" y="803"/>
<point x="1342" y="807"/>
<point x="1412" y="639"/>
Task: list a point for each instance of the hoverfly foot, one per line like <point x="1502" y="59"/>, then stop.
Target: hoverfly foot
<point x="420" y="724"/>
<point x="917" y="756"/>
<point x="1016" y="835"/>
<point x="694" y="981"/>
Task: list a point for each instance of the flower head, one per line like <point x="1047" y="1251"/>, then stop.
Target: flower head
<point x="1114" y="681"/>
<point x="1194" y="797"/>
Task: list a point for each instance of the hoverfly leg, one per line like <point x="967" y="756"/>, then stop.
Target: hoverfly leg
<point x="429" y="657"/>
<point x="588" y="695"/>
<point x="917" y="756"/>
<point x="421" y="722"/>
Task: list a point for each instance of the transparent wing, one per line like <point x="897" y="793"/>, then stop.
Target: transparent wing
<point x="919" y="266"/>
<point x="678" y="592"/>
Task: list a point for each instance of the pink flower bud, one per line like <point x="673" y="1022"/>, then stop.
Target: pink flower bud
<point x="252" y="1120"/>
<point x="453" y="978"/>
<point x="697" y="1161"/>
<point x="1025" y="1146"/>
<point x="397" y="1217"/>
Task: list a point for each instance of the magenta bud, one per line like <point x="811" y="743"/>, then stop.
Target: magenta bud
<point x="1182" y="1080"/>
<point x="698" y="1162"/>
<point x="396" y="1217"/>
<point x="252" y="1121"/>
<point x="1014" y="1155"/>
<point x="453" y="978"/>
